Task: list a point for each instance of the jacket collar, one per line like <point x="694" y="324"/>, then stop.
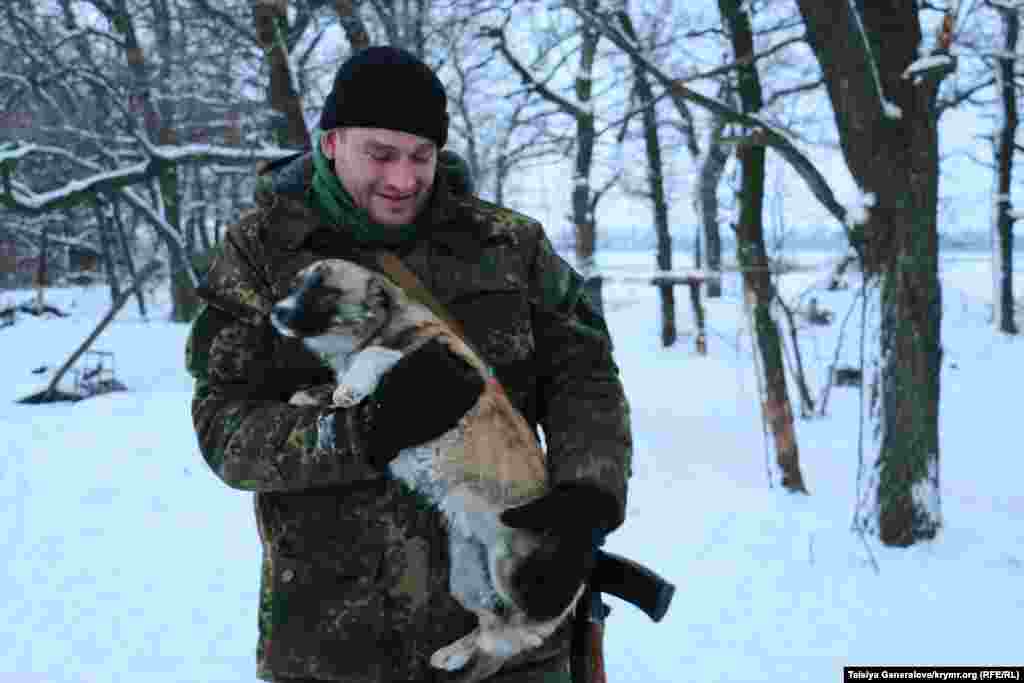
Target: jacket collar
<point x="283" y="188"/>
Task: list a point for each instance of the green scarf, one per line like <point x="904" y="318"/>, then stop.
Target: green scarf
<point x="336" y="204"/>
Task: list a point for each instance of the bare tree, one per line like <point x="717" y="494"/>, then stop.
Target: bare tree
<point x="753" y="258"/>
<point x="580" y="106"/>
<point x="656" y="183"/>
<point x="884" y="100"/>
<point x="885" y="103"/>
<point x="157" y="87"/>
<point x="711" y="168"/>
<point x="499" y="127"/>
<point x="1004" y="141"/>
<point x="271" y="23"/>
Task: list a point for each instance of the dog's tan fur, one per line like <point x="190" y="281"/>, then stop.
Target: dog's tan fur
<point x="489" y="462"/>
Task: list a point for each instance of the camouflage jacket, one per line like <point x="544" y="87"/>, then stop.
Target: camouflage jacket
<point x="355" y="569"/>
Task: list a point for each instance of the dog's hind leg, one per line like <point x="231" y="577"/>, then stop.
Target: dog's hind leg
<point x="457" y="655"/>
<point x="467" y="657"/>
<point x="363" y="374"/>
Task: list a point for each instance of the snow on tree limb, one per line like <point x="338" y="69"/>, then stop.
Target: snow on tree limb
<point x="18" y="196"/>
<point x="858" y="211"/>
<point x="37" y="235"/>
<point x="889" y="109"/>
<point x="929" y="64"/>
<point x="21" y="197"/>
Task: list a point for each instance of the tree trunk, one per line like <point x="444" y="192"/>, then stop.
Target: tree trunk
<point x="205" y="220"/>
<point x="753" y="258"/>
<point x="352" y="24"/>
<point x="129" y="259"/>
<point x="698" y="317"/>
<point x="1002" y="239"/>
<point x="184" y="300"/>
<point x="712" y="166"/>
<point x="698" y="254"/>
<point x="109" y="261"/>
<point x="583" y="218"/>
<point x="159" y="126"/>
<point x="806" y="401"/>
<point x="888" y="132"/>
<point x="656" y="182"/>
<point x="582" y="111"/>
<point x="271" y="20"/>
<point x="42" y="271"/>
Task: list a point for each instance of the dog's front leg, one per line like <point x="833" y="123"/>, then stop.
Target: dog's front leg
<point x="363" y="374"/>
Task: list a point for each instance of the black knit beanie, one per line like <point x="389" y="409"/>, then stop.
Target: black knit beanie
<point x="387" y="87"/>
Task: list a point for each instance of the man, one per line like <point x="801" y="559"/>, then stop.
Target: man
<point x="355" y="569"/>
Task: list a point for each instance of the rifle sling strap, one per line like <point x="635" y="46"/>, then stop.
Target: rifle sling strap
<point x="393" y="267"/>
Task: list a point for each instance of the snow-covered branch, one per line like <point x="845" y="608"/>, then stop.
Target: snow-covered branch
<point x="22" y="198"/>
<point x="937" y="63"/>
<point x="889" y="109"/>
<point x="37" y="235"/>
<point x="19" y="196"/>
<point x="1011" y="5"/>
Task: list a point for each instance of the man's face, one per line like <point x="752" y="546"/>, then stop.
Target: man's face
<point x="388" y="173"/>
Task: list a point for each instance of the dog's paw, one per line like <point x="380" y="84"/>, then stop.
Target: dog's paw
<point x="363" y="374"/>
<point x="346" y="396"/>
<point x="303" y="398"/>
<point x="319" y="395"/>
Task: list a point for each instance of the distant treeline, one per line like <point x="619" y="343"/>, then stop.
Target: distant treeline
<point x="626" y="239"/>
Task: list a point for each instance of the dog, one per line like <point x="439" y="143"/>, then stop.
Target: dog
<point x="361" y="323"/>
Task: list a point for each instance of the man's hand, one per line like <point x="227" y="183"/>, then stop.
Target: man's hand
<point x="571" y="520"/>
<point x="423" y="396"/>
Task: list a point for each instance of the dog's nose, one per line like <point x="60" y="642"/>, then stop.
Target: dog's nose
<point x="284" y="313"/>
<point x="284" y="317"/>
<point x="312" y="280"/>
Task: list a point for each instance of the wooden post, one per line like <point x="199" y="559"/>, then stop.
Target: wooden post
<point x="698" y="315"/>
<point x="693" y="282"/>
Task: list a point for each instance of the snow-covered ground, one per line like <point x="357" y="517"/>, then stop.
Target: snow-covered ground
<point x="122" y="558"/>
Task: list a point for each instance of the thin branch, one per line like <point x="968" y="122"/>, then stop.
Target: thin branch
<point x="541" y="89"/>
<point x="766" y="134"/>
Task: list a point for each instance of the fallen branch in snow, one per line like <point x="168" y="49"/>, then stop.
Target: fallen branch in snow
<point x="7" y="315"/>
<point x="51" y="393"/>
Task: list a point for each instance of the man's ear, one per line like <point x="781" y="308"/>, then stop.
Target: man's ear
<point x="328" y="141"/>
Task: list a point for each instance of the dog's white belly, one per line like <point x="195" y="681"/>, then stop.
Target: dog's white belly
<point x="476" y="535"/>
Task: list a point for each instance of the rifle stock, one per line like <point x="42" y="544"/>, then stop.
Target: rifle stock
<point x="632" y="582"/>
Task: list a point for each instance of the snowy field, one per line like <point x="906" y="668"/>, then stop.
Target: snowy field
<point x="122" y="558"/>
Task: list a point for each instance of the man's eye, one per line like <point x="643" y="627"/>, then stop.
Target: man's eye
<point x="380" y="156"/>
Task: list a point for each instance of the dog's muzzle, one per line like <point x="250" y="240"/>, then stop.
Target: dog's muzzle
<point x="307" y="312"/>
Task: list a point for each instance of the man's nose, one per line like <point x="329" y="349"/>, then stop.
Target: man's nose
<point x="402" y="176"/>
